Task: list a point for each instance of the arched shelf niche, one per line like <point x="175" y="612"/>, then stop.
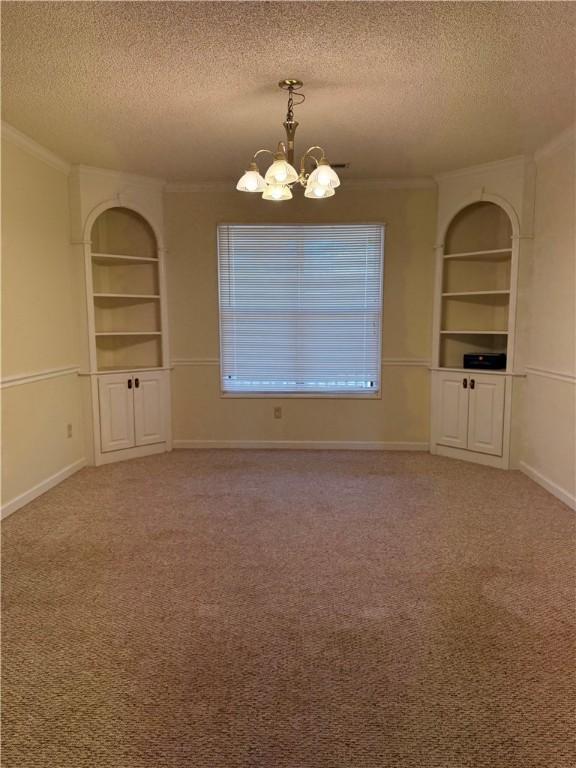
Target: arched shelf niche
<point x="476" y="287"/>
<point x="126" y="286"/>
<point x="122" y="231"/>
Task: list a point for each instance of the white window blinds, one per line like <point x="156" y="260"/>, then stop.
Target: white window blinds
<point x="300" y="308"/>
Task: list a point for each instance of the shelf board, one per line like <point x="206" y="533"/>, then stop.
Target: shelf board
<point x="498" y="253"/>
<point x="123" y="369"/>
<point x="128" y="333"/>
<point x="104" y="258"/>
<point x="469" y="333"/>
<point x="126" y="296"/>
<point x="457" y="294"/>
<point x="498" y="372"/>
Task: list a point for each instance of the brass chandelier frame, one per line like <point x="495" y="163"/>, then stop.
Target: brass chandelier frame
<point x="290" y="124"/>
<point x="315" y="173"/>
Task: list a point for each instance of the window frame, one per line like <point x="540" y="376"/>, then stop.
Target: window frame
<point x="377" y="395"/>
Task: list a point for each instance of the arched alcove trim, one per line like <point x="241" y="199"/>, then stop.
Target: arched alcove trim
<point x="116" y="203"/>
<point x="483" y="198"/>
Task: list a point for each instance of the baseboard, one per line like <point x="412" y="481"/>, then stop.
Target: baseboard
<point x="126" y="454"/>
<point x="38" y="490"/>
<point x="302" y="445"/>
<point x="463" y="454"/>
<point x="550" y="486"/>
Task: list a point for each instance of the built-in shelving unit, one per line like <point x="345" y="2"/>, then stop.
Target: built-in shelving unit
<point x="475" y="309"/>
<point x="117" y="233"/>
<point x="125" y="292"/>
<point x="484" y="224"/>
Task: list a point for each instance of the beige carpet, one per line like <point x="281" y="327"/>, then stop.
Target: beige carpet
<point x="290" y="610"/>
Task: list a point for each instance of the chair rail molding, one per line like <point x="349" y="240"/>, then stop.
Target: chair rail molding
<point x="548" y="373"/>
<point x="48" y="373"/>
<point x="408" y="362"/>
<point x="192" y="361"/>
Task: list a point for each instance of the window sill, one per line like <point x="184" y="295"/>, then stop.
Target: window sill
<point x="300" y="396"/>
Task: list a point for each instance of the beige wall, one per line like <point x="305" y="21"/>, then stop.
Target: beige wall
<point x="548" y="408"/>
<point x="400" y="416"/>
<point x="40" y="293"/>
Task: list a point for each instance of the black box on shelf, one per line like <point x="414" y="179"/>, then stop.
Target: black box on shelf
<point x="488" y="361"/>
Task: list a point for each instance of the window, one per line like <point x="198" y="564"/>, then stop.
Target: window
<point x="300" y="308"/>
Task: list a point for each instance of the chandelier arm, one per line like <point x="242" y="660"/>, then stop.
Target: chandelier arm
<point x="308" y="153"/>
<point x="303" y="178"/>
<point x="269" y="151"/>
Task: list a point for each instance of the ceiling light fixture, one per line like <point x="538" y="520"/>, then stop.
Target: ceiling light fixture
<point x="319" y="183"/>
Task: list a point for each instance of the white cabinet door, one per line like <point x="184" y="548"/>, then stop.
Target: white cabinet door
<point x="149" y="408"/>
<point x="486" y="413"/>
<point x="116" y="412"/>
<point x="451" y="409"/>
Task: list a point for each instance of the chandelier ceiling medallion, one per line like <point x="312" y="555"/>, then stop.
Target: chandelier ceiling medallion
<point x="316" y="175"/>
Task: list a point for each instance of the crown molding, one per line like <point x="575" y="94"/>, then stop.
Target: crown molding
<point x="556" y="144"/>
<point x="492" y="165"/>
<point x="135" y="178"/>
<point x="482" y="167"/>
<point x="33" y="148"/>
<point x="425" y="182"/>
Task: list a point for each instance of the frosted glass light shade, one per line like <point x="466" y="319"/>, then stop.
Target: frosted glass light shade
<point x="324" y="175"/>
<point x="277" y="192"/>
<point x="318" y="191"/>
<point x="251" y="181"/>
<point x="281" y="172"/>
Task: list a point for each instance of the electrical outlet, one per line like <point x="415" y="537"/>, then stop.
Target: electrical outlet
<point x="278" y="413"/>
<point x="69" y="430"/>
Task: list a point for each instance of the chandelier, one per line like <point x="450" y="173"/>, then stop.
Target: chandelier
<point x="316" y="175"/>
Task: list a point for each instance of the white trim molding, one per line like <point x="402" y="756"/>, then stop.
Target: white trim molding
<point x="193" y="361"/>
<point x="33" y="148"/>
<point x="424" y="182"/>
<point x="548" y="373"/>
<point x="303" y="445"/>
<point x="559" y="142"/>
<point x="420" y="182"/>
<point x="42" y="487"/>
<point x="490" y="166"/>
<point x="123" y="176"/>
<point x="408" y="362"/>
<point x="28" y="378"/>
<point x="568" y="498"/>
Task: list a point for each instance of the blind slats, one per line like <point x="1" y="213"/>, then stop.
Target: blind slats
<point x="300" y="307"/>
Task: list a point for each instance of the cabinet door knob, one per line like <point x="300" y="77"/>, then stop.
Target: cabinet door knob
<point x="129" y="383"/>
<point x="464" y="383"/>
<point x="136" y="382"/>
<point x="472" y="383"/>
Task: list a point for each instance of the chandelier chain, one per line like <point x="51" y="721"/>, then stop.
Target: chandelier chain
<point x="290" y="112"/>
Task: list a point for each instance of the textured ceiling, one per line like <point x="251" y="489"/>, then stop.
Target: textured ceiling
<point x="187" y="91"/>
